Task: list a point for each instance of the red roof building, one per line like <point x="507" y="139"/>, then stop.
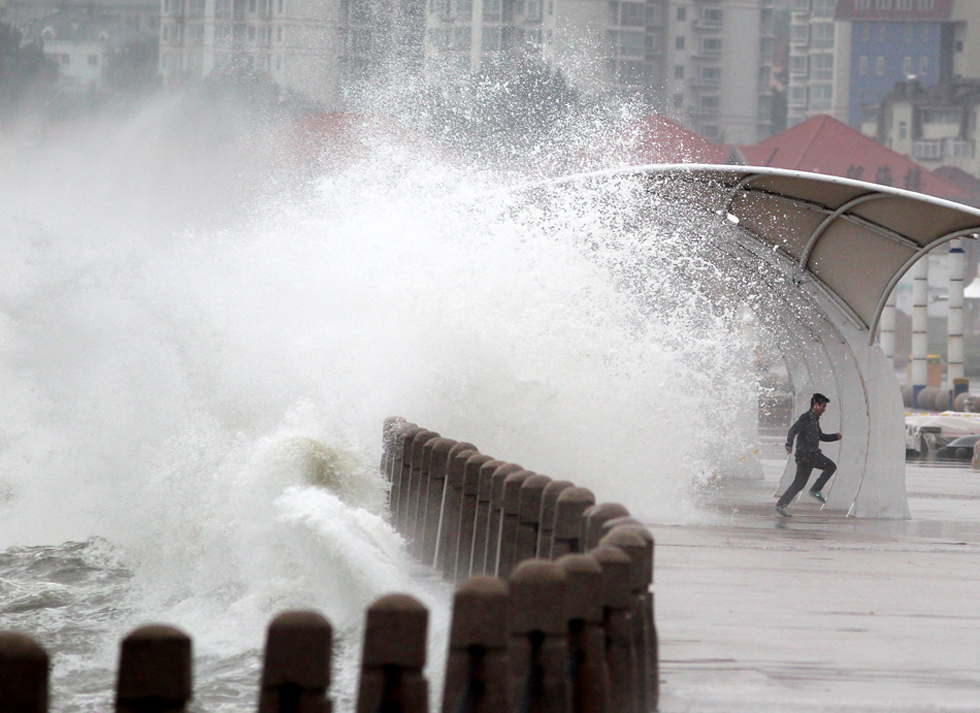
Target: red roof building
<point x="824" y="145"/>
<point x="664" y="141"/>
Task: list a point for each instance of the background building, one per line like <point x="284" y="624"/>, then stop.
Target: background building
<point x="294" y="41"/>
<point x="81" y="37"/>
<point x="719" y="64"/>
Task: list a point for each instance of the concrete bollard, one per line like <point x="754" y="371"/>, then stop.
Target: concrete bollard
<point x="296" y="665"/>
<point x="645" y="602"/>
<point x="510" y="513"/>
<point x="586" y="637"/>
<point x="529" y="517"/>
<point x="481" y="525"/>
<point x="394" y="656"/>
<point x="548" y="500"/>
<point x="410" y="496"/>
<point x="400" y="467"/>
<point x="460" y="569"/>
<point x="595" y="516"/>
<point x="630" y="541"/>
<point x="567" y="536"/>
<point x="496" y="513"/>
<point x="478" y="674"/>
<point x="23" y="674"/>
<point x="408" y="455"/>
<point x="617" y="622"/>
<point x="389" y="430"/>
<point x="539" y="642"/>
<point x="452" y="512"/>
<point x="609" y="525"/>
<point x="420" y="495"/>
<point x="154" y="671"/>
<point x="432" y="494"/>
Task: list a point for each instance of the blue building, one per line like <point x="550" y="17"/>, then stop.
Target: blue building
<point x="894" y="41"/>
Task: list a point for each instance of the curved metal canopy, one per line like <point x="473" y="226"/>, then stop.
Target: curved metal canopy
<point x="853" y="239"/>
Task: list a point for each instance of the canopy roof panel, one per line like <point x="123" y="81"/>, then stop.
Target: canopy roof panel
<point x="854" y="239"/>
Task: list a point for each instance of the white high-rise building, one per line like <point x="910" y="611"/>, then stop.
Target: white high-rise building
<point x="706" y="62"/>
<point x="294" y="41"/>
<point x="719" y="64"/>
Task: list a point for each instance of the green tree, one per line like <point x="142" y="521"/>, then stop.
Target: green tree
<point x="26" y="75"/>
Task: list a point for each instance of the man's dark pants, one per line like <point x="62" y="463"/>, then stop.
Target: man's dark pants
<point x="804" y="466"/>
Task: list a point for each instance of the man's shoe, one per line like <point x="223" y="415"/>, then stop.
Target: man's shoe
<point x="783" y="511"/>
<point x="818" y="495"/>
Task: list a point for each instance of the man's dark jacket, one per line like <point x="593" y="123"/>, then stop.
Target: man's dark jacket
<point x="808" y="435"/>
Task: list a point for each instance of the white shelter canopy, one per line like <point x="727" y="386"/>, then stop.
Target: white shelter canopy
<point x="854" y="239"/>
<point x="843" y="245"/>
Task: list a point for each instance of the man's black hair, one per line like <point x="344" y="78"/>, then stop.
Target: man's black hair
<point x="819" y="398"/>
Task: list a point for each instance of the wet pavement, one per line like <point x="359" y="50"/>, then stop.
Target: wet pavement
<point x="822" y="612"/>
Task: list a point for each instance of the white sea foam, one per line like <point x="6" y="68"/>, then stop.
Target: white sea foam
<point x="210" y="399"/>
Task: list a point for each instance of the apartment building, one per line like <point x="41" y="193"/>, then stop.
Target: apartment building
<point x="81" y="37"/>
<point x="295" y="41"/>
<point x="706" y="62"/>
<point x="818" y="63"/>
<point x="846" y="55"/>
<point x="614" y="45"/>
<point x="719" y="59"/>
<point x="937" y="125"/>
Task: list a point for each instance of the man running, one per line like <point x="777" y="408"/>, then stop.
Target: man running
<point x="808" y="435"/>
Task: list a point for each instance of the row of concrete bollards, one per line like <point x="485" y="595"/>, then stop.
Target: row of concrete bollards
<point x="574" y="578"/>
<point x="565" y="626"/>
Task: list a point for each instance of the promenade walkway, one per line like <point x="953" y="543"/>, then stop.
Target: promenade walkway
<point x="822" y="612"/>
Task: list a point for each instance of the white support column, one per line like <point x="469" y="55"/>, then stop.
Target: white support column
<point x="954" y="321"/>
<point x="920" y="326"/>
<point x="887" y="334"/>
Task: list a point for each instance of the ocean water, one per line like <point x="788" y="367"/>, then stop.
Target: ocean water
<point x="199" y="343"/>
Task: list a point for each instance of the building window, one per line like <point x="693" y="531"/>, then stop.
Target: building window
<point x="679" y="42"/>
<point x="679" y="71"/>
<point x="93" y="60"/>
<point x="711" y="74"/>
<point x="282" y="6"/>
<point x="909" y="31"/>
<point x="713" y="16"/>
<point x="800" y="33"/>
<point x="824" y="8"/>
<point x="710" y="103"/>
<point x="929" y="150"/>
<point x="631" y="43"/>
<point x="633" y="14"/>
<point x="903" y="130"/>
<point x="823" y="34"/>
<point x="823" y="66"/>
<point x="862" y="64"/>
<point x="678" y="101"/>
<point x="865" y="31"/>
<point x="711" y="45"/>
<point x="681" y="14"/>
<point x="820" y="96"/>
<point x="797" y="95"/>
<point x="252" y="5"/>
<point x="923" y="65"/>
<point x="907" y="66"/>
<point x="879" y="65"/>
<point x="798" y="63"/>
